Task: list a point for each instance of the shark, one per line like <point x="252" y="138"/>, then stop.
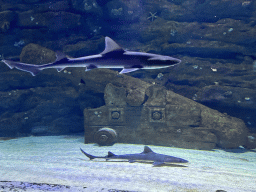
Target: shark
<point x="146" y="156"/>
<point x="113" y="56"/>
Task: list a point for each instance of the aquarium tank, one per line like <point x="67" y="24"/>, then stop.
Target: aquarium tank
<point x="128" y="95"/>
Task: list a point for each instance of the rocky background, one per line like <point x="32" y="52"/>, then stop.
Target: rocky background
<point x="215" y="39"/>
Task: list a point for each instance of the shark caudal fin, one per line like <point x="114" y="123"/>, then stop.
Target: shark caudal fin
<point x="88" y="155"/>
<point x="33" y="69"/>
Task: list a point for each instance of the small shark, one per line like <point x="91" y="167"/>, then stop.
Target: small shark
<point x="112" y="57"/>
<point x="146" y="155"/>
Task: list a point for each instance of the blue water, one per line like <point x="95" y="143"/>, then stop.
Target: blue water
<point x="215" y="40"/>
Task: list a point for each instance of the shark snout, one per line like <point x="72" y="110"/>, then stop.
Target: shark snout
<point x="183" y="161"/>
<point x="175" y="60"/>
<point x="170" y="60"/>
<point x="174" y="160"/>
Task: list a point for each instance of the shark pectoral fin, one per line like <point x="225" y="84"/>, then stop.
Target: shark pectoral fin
<point x="90" y="67"/>
<point x="157" y="163"/>
<point x="131" y="161"/>
<point x="60" y="69"/>
<point x="128" y="70"/>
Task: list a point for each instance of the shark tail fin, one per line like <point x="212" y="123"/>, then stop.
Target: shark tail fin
<point x="87" y="155"/>
<point x="33" y="69"/>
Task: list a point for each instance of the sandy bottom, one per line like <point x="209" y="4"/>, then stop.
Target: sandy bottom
<point x="55" y="163"/>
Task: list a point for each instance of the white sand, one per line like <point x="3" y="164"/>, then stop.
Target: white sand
<point x="58" y="160"/>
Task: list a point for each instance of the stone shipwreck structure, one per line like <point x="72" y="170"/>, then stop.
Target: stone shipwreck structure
<point x="142" y="113"/>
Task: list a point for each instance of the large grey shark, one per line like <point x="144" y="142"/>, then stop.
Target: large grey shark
<point x="146" y="156"/>
<point x="112" y="57"/>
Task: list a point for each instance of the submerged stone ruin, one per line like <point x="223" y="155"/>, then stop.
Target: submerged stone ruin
<point x="143" y="113"/>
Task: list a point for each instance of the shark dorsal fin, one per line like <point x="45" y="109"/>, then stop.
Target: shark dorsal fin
<point x="111" y="46"/>
<point x="60" y="58"/>
<point x="110" y="154"/>
<point x="147" y="150"/>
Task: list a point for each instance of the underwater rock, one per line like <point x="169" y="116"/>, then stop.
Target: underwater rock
<point x="40" y="131"/>
<point x="17" y="6"/>
<point x="226" y="30"/>
<point x="11" y="100"/>
<point x="209" y="49"/>
<point x="32" y="1"/>
<point x="52" y="6"/>
<point x="26" y="186"/>
<point x="56" y="21"/>
<point x="251" y="141"/>
<point x="235" y="101"/>
<point x="227" y="96"/>
<point x="212" y="40"/>
<point x="84" y="47"/>
<point x="156" y="96"/>
<point x="175" y="121"/>
<point x="214" y="9"/>
<point x="224" y="85"/>
<point x="56" y="108"/>
<point x="135" y="97"/>
<point x="62" y="5"/>
<point x="114" y="96"/>
<point x="10" y="125"/>
<point x="36" y="54"/>
<point x="129" y="11"/>
<point x="87" y="6"/>
<point x="229" y="130"/>
<point x="6" y="18"/>
<point x="175" y="12"/>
